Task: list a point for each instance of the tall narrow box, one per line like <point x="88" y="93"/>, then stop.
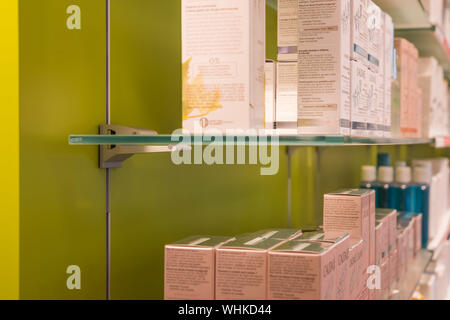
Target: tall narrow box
<point x="356" y="277"/>
<point x="359" y="31"/>
<point x="388" y="71"/>
<point x="349" y="211"/>
<point x="287" y="30"/>
<point x="189" y="268"/>
<point x="223" y="55"/>
<point x="287" y="102"/>
<point x="302" y="270"/>
<point x="241" y="265"/>
<point x="359" y="99"/>
<point x="324" y="67"/>
<point x="270" y="79"/>
<point x="389" y="216"/>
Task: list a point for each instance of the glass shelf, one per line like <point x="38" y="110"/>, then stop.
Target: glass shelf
<point x="414" y="17"/>
<point x="283" y="140"/>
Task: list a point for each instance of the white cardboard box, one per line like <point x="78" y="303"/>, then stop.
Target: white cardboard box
<point x="324" y="68"/>
<point x="223" y="56"/>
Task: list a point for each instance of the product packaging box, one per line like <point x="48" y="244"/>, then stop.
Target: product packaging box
<point x="389" y="216"/>
<point x="342" y="251"/>
<point x="349" y="211"/>
<point x="402" y="244"/>
<point x="241" y="265"/>
<point x="373" y="119"/>
<point x="287" y="102"/>
<point x="375" y="24"/>
<point x="189" y="268"/>
<point x="372" y="222"/>
<point x="357" y="274"/>
<point x="380" y="249"/>
<point x="417" y="233"/>
<point x="359" y="31"/>
<point x="384" y="294"/>
<point x="407" y="223"/>
<point x="223" y="56"/>
<point x="388" y="71"/>
<point x="302" y="270"/>
<point x="360" y="92"/>
<point x="324" y="67"/>
<point x="288" y="11"/>
<point x="270" y="79"/>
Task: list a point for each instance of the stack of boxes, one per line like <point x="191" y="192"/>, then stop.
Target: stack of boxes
<point x="360" y="254"/>
<point x="344" y="61"/>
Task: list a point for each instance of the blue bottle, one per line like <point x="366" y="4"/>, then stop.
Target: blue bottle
<point x="401" y="196"/>
<point x="383" y="160"/>
<point x="421" y="184"/>
<point x="383" y="186"/>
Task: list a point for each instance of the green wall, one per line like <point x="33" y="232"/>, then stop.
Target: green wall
<point x="153" y="201"/>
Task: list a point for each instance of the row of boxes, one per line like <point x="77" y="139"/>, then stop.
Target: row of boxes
<point x="359" y="254"/>
<point x="334" y="72"/>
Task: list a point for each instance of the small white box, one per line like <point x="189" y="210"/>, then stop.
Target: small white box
<point x="287" y="102"/>
<point x="359" y="31"/>
<point x="287" y="30"/>
<point x="324" y="67"/>
<point x="223" y="56"/>
<point x="270" y="92"/>
<point x="359" y="99"/>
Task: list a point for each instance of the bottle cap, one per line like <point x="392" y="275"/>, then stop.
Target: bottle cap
<point x="422" y="175"/>
<point x="401" y="164"/>
<point x="423" y="163"/>
<point x="386" y="174"/>
<point x="369" y="173"/>
<point x="384" y="160"/>
<point x="403" y="174"/>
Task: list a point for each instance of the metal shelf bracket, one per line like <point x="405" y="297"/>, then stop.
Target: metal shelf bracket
<point x="113" y="156"/>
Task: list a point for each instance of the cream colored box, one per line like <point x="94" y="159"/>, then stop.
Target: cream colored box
<point x="189" y="268"/>
<point x="302" y="270"/>
<point x="223" y="55"/>
<point x="287" y="30"/>
<point x="287" y="93"/>
<point x="359" y="99"/>
<point x="241" y="265"/>
<point x="324" y="67"/>
<point x="359" y="31"/>
<point x="270" y="79"/>
<point x="342" y="248"/>
<point x="388" y="72"/>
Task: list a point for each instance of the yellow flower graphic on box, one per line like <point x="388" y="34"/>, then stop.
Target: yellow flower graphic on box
<point x="197" y="100"/>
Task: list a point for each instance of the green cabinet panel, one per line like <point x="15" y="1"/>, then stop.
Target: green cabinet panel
<point x="62" y="194"/>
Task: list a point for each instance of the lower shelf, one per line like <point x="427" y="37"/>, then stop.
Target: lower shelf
<point x="405" y="288"/>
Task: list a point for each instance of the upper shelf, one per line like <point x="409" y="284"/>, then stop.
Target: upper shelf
<point x="412" y="23"/>
<point x="283" y="140"/>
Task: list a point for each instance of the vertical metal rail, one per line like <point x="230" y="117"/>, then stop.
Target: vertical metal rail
<point x="108" y="171"/>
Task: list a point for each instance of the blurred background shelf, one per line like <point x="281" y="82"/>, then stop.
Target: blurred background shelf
<point x="414" y="25"/>
<point x="408" y="283"/>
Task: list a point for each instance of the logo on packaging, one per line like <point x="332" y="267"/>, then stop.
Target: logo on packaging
<point x="74" y="20"/>
<point x="74" y="280"/>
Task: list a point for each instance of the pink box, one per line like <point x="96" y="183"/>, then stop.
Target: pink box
<point x="356" y="270"/>
<point x="302" y="270"/>
<point x="384" y="294"/>
<point x="342" y="248"/>
<point x="417" y="233"/>
<point x="241" y="265"/>
<point x="372" y="237"/>
<point x="389" y="216"/>
<point x="189" y="268"/>
<point x="349" y="211"/>
<point x="402" y="244"/>
<point x="380" y="243"/>
<point x="393" y="267"/>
